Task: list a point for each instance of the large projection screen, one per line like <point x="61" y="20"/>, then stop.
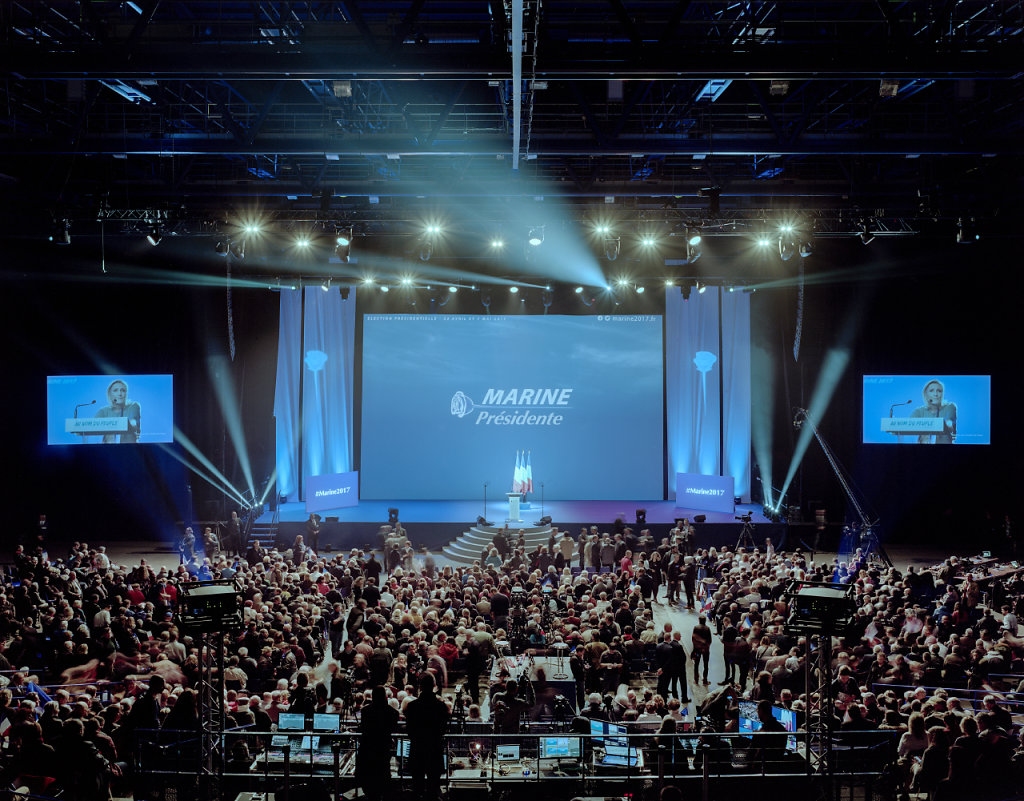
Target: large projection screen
<point x="449" y="400"/>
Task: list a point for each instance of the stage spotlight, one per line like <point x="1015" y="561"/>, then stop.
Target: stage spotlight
<point x="238" y="249"/>
<point x="786" y="248"/>
<point x="640" y="289"/>
<point x="368" y="281"/>
<point x="221" y="248"/>
<point x="392" y="515"/>
<point x="546" y="299"/>
<point x="641" y="517"/>
<point x="536" y="236"/>
<point x="693" y="252"/>
<point x="485" y="301"/>
<point x="578" y="290"/>
<point x="763" y="241"/>
<point x="326" y="285"/>
<point x="497" y="244"/>
<point x="702" y="288"/>
<point x="866" y="235"/>
<point x="806" y="249"/>
<point x="385" y="288"/>
<point x="648" y="241"/>
<point x="602" y="229"/>
<point x="686" y="288"/>
<point x="622" y="282"/>
<point x="154" y="236"/>
<point x="343" y="245"/>
<point x="785" y="228"/>
<point x="252" y="228"/>
<point x="432" y="230"/>
<point x="693" y="236"/>
<point x="965" y="231"/>
<point x="453" y="289"/>
<point x="669" y="282"/>
<point x="514" y="290"/>
<point x="407" y="281"/>
<point x="612" y="247"/>
<point x="344" y="292"/>
<point x="302" y="242"/>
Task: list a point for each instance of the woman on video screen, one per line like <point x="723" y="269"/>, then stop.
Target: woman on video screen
<point x="935" y="407"/>
<point x="120" y="406"/>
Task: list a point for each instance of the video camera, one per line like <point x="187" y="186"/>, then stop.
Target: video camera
<point x="746" y="518"/>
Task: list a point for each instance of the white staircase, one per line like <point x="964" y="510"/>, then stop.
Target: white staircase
<point x="468" y="546"/>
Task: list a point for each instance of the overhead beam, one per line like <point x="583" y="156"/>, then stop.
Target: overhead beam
<point x="378" y="145"/>
<point x="488" y="62"/>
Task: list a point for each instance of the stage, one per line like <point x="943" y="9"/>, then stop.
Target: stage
<point x="436" y="523"/>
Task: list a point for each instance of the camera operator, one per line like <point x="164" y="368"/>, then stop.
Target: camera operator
<point x="507" y="709"/>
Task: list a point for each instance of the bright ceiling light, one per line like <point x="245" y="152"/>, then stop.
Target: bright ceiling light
<point x="497" y="244"/>
<point x="514" y="290"/>
<point x="693" y="236"/>
<point x="407" y="281"/>
<point x="648" y="241"/>
<point x="453" y="289"/>
<point x="622" y="282"/>
<point x="368" y="281"/>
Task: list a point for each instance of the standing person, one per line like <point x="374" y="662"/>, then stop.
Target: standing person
<point x="701" y="641"/>
<point x="674" y="575"/>
<point x="377" y="722"/>
<point x="689" y="578"/>
<point x="120" y="406"/>
<point x="187" y="547"/>
<point x="426" y="721"/>
<point x="313" y="532"/>
<point x="233" y="541"/>
<point x="677" y="668"/>
<point x="687" y="537"/>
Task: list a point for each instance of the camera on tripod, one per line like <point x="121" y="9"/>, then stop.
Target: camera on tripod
<point x="746" y="518"/>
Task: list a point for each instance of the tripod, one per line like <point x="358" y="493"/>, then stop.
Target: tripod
<point x="746" y="537"/>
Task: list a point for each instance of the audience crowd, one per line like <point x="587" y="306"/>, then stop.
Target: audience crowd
<point x="93" y="655"/>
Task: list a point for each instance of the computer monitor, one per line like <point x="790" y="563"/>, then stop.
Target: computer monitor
<point x="620" y="756"/>
<point x="326" y="721"/>
<point x="787" y="717"/>
<point x="749" y="721"/>
<point x="598" y="730"/>
<point x="617" y="735"/>
<point x="506" y="753"/>
<point x="559" y="747"/>
<point x="403" y="748"/>
<point x="291" y="721"/>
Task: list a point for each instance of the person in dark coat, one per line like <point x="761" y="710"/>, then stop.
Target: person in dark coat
<point x="426" y="721"/>
<point x="377" y="724"/>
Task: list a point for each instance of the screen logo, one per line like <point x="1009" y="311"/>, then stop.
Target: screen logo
<point x="515" y="406"/>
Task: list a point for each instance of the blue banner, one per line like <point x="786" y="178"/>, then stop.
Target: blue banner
<point x="713" y="493"/>
<point x="332" y="491"/>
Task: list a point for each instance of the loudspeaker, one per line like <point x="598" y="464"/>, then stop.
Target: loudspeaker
<point x="331" y="519"/>
<point x="393" y="515"/>
<point x="700" y="518"/>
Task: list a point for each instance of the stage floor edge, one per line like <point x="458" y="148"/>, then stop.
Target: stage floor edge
<point x="563" y="513"/>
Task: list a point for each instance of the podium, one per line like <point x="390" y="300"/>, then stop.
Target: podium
<point x="513" y="506"/>
<point x="96" y="425"/>
<point x="913" y="426"/>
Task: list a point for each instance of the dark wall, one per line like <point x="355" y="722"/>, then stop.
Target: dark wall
<point x="917" y="306"/>
<point x="64" y="316"/>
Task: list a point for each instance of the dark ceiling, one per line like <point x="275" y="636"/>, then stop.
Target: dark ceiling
<point x="904" y="115"/>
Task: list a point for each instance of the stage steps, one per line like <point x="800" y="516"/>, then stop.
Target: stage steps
<point x="466" y="548"/>
<point x="265" y="533"/>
